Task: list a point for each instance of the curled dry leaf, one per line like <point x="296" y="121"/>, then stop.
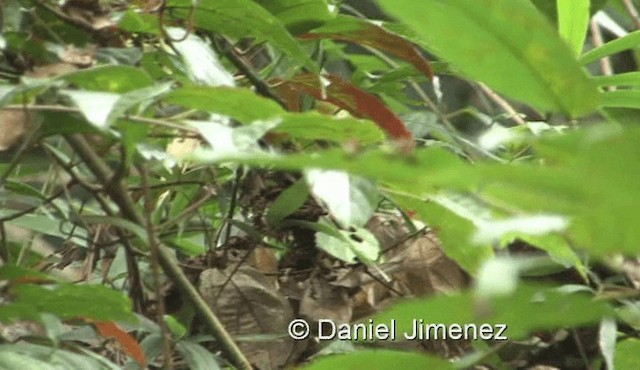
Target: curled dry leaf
<point x="248" y="304"/>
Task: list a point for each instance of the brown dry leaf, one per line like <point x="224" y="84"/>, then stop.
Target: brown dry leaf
<point x="250" y="305"/>
<point x="78" y="57"/>
<point x="414" y="267"/>
<point x="13" y="125"/>
<point x="322" y="300"/>
<point x="51" y="70"/>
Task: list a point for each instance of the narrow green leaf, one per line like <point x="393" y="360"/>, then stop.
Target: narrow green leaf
<point x="287" y="202"/>
<point x="228" y="101"/>
<point x="621" y="99"/>
<point x="506" y="44"/>
<point x="632" y="40"/>
<point x="573" y="19"/>
<point x="620" y="79"/>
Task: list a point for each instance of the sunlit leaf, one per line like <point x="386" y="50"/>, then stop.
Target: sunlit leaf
<point x="350" y="199"/>
<point x="573" y="19"/>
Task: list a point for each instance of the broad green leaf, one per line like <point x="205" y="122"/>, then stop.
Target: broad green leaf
<point x="26" y="355"/>
<point x="116" y="79"/>
<point x="69" y="301"/>
<point x="225" y="140"/>
<point x="95" y="106"/>
<point x="555" y="245"/>
<point x="630" y="41"/>
<point x="299" y="16"/>
<point x="239" y="18"/>
<point x="453" y="230"/>
<point x="101" y="109"/>
<point x="289" y="201"/>
<point x="314" y="126"/>
<point x="626" y="357"/>
<point x="132" y="21"/>
<point x="425" y="169"/>
<point x="227" y="101"/>
<point x="379" y="360"/>
<point x="573" y="19"/>
<point x="527" y="308"/>
<point x="350" y="199"/>
<point x="351" y="245"/>
<point x="506" y="44"/>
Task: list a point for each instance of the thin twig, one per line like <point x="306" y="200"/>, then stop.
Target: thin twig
<point x="633" y="12"/>
<point x="515" y="116"/>
<point x="119" y="195"/>
<point x="149" y="205"/>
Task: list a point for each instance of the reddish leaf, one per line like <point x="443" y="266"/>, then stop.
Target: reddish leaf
<point x="360" y="31"/>
<point x="129" y="345"/>
<point x="359" y="103"/>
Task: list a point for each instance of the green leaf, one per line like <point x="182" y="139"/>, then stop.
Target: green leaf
<point x="239" y="18"/>
<point x="33" y="356"/>
<point x="350" y="199"/>
<point x="227" y="101"/>
<point x="289" y="201"/>
<point x="629" y="41"/>
<point x="506" y="44"/>
<point x="626" y="357"/>
<point x="453" y="230"/>
<point x="69" y="301"/>
<point x="95" y="106"/>
<point x="125" y="224"/>
<point x="132" y="21"/>
<point x="314" y="126"/>
<point x="573" y="19"/>
<point x="196" y="356"/>
<point x="351" y="245"/>
<point x="527" y="308"/>
<point x="620" y="79"/>
<point x="379" y="360"/>
<point x="116" y="79"/>
<point x="299" y="16"/>
<point x="621" y="99"/>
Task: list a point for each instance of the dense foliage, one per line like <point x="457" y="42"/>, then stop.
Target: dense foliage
<point x="180" y="179"/>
